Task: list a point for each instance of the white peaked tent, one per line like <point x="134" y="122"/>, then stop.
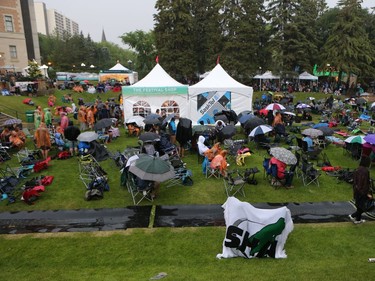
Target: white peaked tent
<point x="119" y="67"/>
<point x="266" y="76"/>
<point x="119" y="73"/>
<point x="216" y="92"/>
<point x="307" y="76"/>
<point x="157" y="90"/>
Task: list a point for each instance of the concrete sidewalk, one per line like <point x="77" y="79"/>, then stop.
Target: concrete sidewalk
<point x="86" y="220"/>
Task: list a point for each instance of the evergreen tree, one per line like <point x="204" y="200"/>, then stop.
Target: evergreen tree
<point x="174" y="35"/>
<point x="243" y="30"/>
<point x="348" y="48"/>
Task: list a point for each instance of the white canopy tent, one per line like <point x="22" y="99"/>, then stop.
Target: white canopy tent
<point x="157" y="90"/>
<point x="119" y="73"/>
<point x="216" y="92"/>
<point x="120" y="67"/>
<point x="307" y="76"/>
<point x="266" y="76"/>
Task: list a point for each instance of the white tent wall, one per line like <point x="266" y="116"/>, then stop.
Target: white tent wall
<point x="218" y="91"/>
<point x="155" y="102"/>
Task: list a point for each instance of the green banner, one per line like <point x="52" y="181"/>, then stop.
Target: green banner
<point x="150" y="91"/>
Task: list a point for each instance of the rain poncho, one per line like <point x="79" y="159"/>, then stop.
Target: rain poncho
<point x="202" y="148"/>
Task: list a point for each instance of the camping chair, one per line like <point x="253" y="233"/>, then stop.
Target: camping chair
<point x="234" y="184"/>
<point x="321" y="142"/>
<point x="212" y="172"/>
<point x="139" y="189"/>
<point x="4" y="155"/>
<point x="309" y="173"/>
<point x="312" y="154"/>
<point x="89" y="169"/>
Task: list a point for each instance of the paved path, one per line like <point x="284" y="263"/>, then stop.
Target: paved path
<point x="86" y="220"/>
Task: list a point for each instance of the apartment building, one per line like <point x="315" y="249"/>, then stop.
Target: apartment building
<point x="50" y="21"/>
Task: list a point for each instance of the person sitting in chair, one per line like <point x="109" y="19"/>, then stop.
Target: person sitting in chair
<point x="220" y="162"/>
<point x="202" y="148"/>
<point x="310" y="144"/>
<point x="213" y="151"/>
<point x="282" y="175"/>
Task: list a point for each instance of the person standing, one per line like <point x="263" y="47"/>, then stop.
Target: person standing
<point x="82" y="118"/>
<point x="361" y="189"/>
<point x="64" y="123"/>
<point x="48" y="118"/>
<point x="71" y="133"/>
<point x="43" y="140"/>
<point x="172" y="128"/>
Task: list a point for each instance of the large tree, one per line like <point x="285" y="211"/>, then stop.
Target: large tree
<point x="174" y="33"/>
<point x="348" y="48"/>
<point x="144" y="45"/>
<point x="294" y="40"/>
<point x="243" y="30"/>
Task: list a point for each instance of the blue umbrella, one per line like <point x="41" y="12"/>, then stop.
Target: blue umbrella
<point x="319" y="125"/>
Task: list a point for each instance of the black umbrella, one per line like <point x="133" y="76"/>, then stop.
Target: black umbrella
<point x="361" y="101"/>
<point x="228" y="131"/>
<point x="103" y="123"/>
<point x="252" y="123"/>
<point x="153" y="116"/>
<point x="185" y="122"/>
<point x="152" y="121"/>
<point x="326" y="131"/>
<point x="244" y="113"/>
<point x="221" y="117"/>
<point x="149" y="136"/>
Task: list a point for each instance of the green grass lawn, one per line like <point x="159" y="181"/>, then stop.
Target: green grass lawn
<point x="315" y="252"/>
<point x="67" y="191"/>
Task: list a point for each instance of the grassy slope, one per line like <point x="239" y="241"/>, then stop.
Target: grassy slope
<point x="67" y="191"/>
<point x="138" y="254"/>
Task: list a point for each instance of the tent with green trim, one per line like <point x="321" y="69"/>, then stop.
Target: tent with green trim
<point x="157" y="90"/>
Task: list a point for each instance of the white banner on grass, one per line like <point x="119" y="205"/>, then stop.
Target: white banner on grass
<point x="253" y="232"/>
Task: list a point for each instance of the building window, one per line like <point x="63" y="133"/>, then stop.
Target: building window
<point x="9" y="24"/>
<point x="13" y="52"/>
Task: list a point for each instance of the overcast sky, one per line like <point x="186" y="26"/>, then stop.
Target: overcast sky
<point x="117" y="17"/>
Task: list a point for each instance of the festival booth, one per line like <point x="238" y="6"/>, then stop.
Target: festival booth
<point x="218" y="91"/>
<point x="118" y="73"/>
<point x="307" y="76"/>
<point x="157" y="90"/>
<point x="265" y="77"/>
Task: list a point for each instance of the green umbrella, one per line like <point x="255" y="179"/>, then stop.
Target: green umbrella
<point x="152" y="169"/>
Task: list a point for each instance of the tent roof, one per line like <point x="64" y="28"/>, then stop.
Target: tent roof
<point x="119" y="66"/>
<point x="267" y="75"/>
<point x="307" y="76"/>
<point x="218" y="78"/>
<point x="157" y="77"/>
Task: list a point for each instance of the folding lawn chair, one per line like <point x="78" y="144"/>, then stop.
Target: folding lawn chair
<point x="89" y="169"/>
<point x="309" y="173"/>
<point x="139" y="189"/>
<point x="234" y="184"/>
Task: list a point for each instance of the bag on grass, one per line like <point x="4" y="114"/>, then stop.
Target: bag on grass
<point x="62" y="155"/>
<point x="47" y="180"/>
